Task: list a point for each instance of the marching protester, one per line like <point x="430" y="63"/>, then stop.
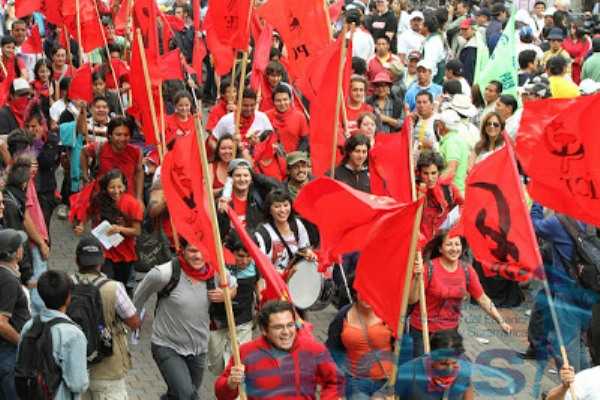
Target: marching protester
<point x="95" y="125"/>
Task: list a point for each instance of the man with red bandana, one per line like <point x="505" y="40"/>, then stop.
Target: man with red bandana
<point x="289" y="123"/>
<point x="440" y="197"/>
<point x="283" y="363"/>
<point x="12" y="116"/>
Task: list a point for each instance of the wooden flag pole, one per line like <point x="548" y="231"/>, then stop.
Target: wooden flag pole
<point x="140" y="43"/>
<point x="407" y="281"/>
<point x="242" y="87"/>
<point x="78" y="22"/>
<point x="235" y="348"/>
<point x="339" y="100"/>
<point x="3" y="67"/>
<point x="110" y="66"/>
<point x="65" y="32"/>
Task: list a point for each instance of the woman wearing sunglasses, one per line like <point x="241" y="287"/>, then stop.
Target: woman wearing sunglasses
<point x="491" y="139"/>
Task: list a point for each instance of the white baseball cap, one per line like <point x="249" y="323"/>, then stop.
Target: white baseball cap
<point x="425" y="64"/>
<point x="416" y="14"/>
<point x="21" y="84"/>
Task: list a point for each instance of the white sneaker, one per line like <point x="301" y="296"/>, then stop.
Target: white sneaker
<point x="62" y="211"/>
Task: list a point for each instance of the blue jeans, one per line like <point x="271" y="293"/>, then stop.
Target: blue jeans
<point x="8" y="359"/>
<point x="364" y="389"/>
<point x="39" y="267"/>
<point x="182" y="374"/>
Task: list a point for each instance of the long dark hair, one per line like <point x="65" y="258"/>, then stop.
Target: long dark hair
<point x="484" y="141"/>
<point x="277" y="196"/>
<point x="102" y="206"/>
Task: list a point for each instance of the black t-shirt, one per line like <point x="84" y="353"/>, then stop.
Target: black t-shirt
<point x="13" y="301"/>
<point x="378" y="25"/>
<point x="242" y="303"/>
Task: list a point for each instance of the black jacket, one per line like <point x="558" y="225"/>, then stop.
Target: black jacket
<point x="7" y="121"/>
<point x="357" y="179"/>
<point x="14" y="217"/>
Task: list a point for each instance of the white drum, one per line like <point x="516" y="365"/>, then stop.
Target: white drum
<point x="305" y="284"/>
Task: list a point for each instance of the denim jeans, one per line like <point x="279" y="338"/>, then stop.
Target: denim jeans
<point x="39" y="267"/>
<point x="8" y="359"/>
<point x="182" y="374"/>
<point x="365" y="389"/>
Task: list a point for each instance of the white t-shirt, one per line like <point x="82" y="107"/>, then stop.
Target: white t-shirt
<point x="278" y="253"/>
<point x="434" y="51"/>
<point x="363" y="45"/>
<point x="226" y="124"/>
<point x="408" y="41"/>
<point x="587" y="385"/>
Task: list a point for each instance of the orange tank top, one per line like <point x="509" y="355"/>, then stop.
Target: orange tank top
<point x="361" y="357"/>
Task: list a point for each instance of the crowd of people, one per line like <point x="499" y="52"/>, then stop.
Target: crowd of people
<point x="67" y="336"/>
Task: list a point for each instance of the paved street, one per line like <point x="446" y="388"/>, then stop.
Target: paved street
<point x="145" y="382"/>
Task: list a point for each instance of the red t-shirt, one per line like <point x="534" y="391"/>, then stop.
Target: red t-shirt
<point x="444" y="295"/>
<point x="134" y="212"/>
<point x="290" y="126"/>
<point x="240" y="206"/>
<point x="216" y="113"/>
<point x="354" y="113"/>
<point x="68" y="73"/>
<point x="176" y="127"/>
<point x="126" y="160"/>
<point x="274" y="168"/>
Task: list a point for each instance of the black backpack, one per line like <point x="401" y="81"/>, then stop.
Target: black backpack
<point x="37" y="376"/>
<point x="173" y="281"/>
<point x="152" y="246"/>
<point x="86" y="310"/>
<point x="585" y="265"/>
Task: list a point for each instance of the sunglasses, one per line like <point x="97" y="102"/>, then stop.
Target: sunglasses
<point x="494" y="124"/>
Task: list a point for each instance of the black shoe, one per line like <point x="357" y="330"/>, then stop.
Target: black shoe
<point x="529" y="354"/>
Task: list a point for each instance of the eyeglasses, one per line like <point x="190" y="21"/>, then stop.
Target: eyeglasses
<point x="279" y="327"/>
<point x="494" y="124"/>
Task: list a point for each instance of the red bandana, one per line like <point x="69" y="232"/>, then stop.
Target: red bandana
<point x="203" y="274"/>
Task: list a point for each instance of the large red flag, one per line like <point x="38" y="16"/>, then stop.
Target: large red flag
<point x="23" y="8"/>
<point x="80" y="202"/>
<point x="170" y="65"/>
<point x="90" y="25"/>
<point x="561" y="156"/>
<point x="81" y="87"/>
<point x="183" y="186"/>
<point x="230" y="21"/>
<point x="389" y="165"/>
<point x="381" y="270"/>
<point x="263" y="39"/>
<point x="495" y="219"/>
<point x="343" y="215"/>
<point x="275" y="287"/>
<point x="140" y="102"/>
<point x="303" y="26"/>
<point x="145" y="13"/>
<point x="198" y="55"/>
<point x="323" y="75"/>
<point x="222" y="54"/>
<point x="33" y="43"/>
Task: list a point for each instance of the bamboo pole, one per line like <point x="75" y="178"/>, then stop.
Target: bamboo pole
<point x="65" y="32"/>
<point x="242" y="87"/>
<point x="110" y="66"/>
<point x="3" y="67"/>
<point x="78" y="23"/>
<point x="235" y="349"/>
<point x="407" y="281"/>
<point x="339" y="96"/>
<point x="140" y="43"/>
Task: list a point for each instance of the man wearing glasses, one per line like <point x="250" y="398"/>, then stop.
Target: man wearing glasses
<point x="283" y="362"/>
<point x="12" y="116"/>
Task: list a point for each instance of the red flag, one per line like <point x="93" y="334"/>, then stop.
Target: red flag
<point x="170" y="65"/>
<point x="121" y="72"/>
<point x="4" y="91"/>
<point x="230" y="21"/>
<point x="495" y="219"/>
<point x="145" y="13"/>
<point x="121" y="17"/>
<point x="182" y="181"/>
<point x="198" y="55"/>
<point x="52" y="11"/>
<point x="342" y="214"/>
<point x="263" y="39"/>
<point x="196" y="12"/>
<point x="23" y="8"/>
<point x="176" y="23"/>
<point x="90" y="25"/>
<point x="303" y="26"/>
<point x="381" y="270"/>
<point x="389" y="165"/>
<point x="335" y="10"/>
<point x="275" y="287"/>
<point x="33" y="43"/>
<point x="561" y="156"/>
<point x="140" y="102"/>
<point x="323" y="77"/>
<point x="81" y="84"/>
<point x="222" y="55"/>
<point x="80" y="202"/>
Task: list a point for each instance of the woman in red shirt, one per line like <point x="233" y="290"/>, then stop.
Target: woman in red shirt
<point x="60" y="67"/>
<point x="181" y="123"/>
<point x="116" y="153"/>
<point x="124" y="212"/>
<point x="447" y="280"/>
<point x="578" y="45"/>
<point x="42" y="75"/>
<point x="218" y="167"/>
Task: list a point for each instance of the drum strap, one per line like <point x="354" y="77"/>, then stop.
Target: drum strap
<point x="287" y="248"/>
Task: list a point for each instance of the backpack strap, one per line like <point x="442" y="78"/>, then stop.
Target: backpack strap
<point x="429" y="271"/>
<point x="465" y="268"/>
<point x="173" y="280"/>
<point x="100" y="281"/>
<point x="262" y="231"/>
<point x="447" y="191"/>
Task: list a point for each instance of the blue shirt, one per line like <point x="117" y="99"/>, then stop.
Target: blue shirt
<point x="69" y="348"/>
<point x="410" y="97"/>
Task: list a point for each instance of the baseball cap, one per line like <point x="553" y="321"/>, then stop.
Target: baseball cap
<point x="467" y="23"/>
<point x="89" y="251"/>
<point x="525" y="31"/>
<point x="485" y="12"/>
<point x="556" y="34"/>
<point x="238" y="163"/>
<point x="21" y="84"/>
<point x="10" y="241"/>
<point x="382" y="77"/>
<point x="414" y="55"/>
<point x="295" y="157"/>
<point x="425" y="64"/>
<point x="416" y="14"/>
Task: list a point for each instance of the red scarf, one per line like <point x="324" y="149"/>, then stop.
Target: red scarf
<point x="245" y="124"/>
<point x="204" y="274"/>
<point x="18" y="107"/>
<point x="437" y="382"/>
